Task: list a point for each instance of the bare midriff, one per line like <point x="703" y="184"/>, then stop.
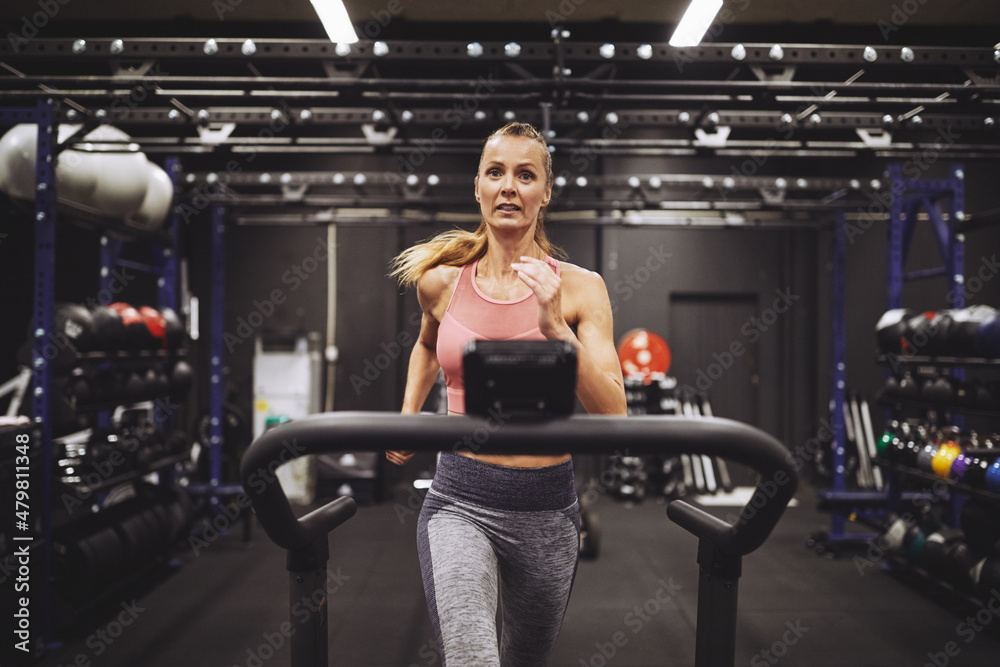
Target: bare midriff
<point x="515" y="461"/>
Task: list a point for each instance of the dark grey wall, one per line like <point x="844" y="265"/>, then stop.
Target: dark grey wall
<point x="377" y="321"/>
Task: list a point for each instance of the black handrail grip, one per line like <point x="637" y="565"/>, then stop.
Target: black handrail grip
<point x="498" y="434"/>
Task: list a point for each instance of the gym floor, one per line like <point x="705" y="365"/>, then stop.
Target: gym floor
<point x="220" y="607"/>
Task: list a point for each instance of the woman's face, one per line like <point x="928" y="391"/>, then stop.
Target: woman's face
<point x="510" y="186"/>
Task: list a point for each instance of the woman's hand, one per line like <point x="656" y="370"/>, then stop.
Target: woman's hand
<point x="399" y="457"/>
<point x="547" y="287"/>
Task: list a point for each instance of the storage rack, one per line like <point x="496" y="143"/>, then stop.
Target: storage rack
<point x="908" y="198"/>
<point x="45" y="219"/>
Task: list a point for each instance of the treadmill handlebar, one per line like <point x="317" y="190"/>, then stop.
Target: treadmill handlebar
<point x="500" y="434"/>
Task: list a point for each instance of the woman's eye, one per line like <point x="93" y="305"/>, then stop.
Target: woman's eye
<point x="527" y="175"/>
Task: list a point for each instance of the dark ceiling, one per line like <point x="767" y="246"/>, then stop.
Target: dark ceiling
<point x="850" y="12"/>
<point x="965" y="22"/>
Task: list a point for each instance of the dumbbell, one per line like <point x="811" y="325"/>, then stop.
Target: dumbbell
<point x="935" y="553"/>
<point x="937" y="390"/>
<point x="989" y="576"/>
<point x="960" y="563"/>
<point x="908" y="387"/>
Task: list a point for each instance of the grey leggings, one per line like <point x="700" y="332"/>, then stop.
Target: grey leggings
<point x="487" y="530"/>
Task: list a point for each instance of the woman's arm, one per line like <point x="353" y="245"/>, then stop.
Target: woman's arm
<point x="599" y="383"/>
<point x="423" y="367"/>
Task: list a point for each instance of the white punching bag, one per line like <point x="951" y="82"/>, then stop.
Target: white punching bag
<point x="156" y="205"/>
<point x="122" y="176"/>
<point x="76" y="172"/>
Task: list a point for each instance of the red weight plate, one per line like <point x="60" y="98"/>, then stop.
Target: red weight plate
<point x="642" y="352"/>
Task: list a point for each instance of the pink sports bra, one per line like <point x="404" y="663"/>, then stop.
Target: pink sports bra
<point x="473" y="315"/>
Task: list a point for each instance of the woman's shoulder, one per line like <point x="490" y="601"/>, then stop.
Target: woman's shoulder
<point x="574" y="276"/>
<point x="436" y="284"/>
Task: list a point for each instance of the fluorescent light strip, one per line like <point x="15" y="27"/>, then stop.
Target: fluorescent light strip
<point x="336" y="22"/>
<point x="695" y="22"/>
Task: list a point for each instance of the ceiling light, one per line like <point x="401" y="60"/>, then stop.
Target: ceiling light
<point x="695" y="22"/>
<point x="333" y="15"/>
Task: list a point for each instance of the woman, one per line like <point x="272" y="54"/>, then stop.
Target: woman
<point x="488" y="517"/>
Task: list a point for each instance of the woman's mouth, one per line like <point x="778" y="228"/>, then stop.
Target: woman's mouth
<point x="508" y="208"/>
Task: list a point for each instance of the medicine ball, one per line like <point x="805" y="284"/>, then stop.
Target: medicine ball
<point x="943" y="459"/>
<point x="156" y="326"/>
<point x="181" y="377"/>
<point x="925" y="457"/>
<point x="988" y="338"/>
<point x="109" y="330"/>
<point x="75" y="323"/>
<point x="979" y="465"/>
<point x="892" y="329"/>
<point x="137" y="336"/>
<point x="993" y="477"/>
<point x="928" y="333"/>
<point x="174" y="328"/>
<point x="965" y="329"/>
<point x="891" y="388"/>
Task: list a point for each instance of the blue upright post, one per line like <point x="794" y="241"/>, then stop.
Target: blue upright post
<point x="894" y="243"/>
<point x="170" y="253"/>
<point x="218" y="304"/>
<point x="839" y="367"/>
<point x="110" y="251"/>
<point x="45" y="340"/>
<point x="166" y="263"/>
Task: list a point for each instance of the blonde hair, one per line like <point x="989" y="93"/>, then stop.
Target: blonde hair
<point x="458" y="247"/>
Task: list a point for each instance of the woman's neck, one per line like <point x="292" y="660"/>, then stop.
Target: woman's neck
<point x="495" y="264"/>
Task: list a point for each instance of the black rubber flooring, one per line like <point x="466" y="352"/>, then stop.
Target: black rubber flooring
<point x="226" y="606"/>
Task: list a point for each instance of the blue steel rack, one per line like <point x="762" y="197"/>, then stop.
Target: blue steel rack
<point x="43" y="318"/>
<point x="908" y="197"/>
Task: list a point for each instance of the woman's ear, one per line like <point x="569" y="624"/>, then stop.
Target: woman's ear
<point x="477" y="187"/>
